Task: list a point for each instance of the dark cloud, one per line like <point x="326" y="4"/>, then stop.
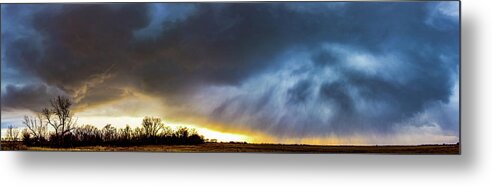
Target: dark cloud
<point x="29" y="97"/>
<point x="219" y="44"/>
<point x="82" y="46"/>
<point x="300" y="92"/>
<point x="323" y="58"/>
<point x="83" y="41"/>
<point x="339" y="94"/>
<point x="98" y="53"/>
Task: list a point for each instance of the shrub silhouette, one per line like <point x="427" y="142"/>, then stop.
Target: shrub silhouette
<point x="26" y="138"/>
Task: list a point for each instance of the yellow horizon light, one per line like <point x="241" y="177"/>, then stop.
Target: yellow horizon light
<point x="122" y="121"/>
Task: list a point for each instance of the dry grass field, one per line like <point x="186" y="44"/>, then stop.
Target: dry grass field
<point x="254" y="148"/>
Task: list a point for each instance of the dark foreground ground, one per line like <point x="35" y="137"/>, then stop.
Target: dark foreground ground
<point x="259" y="148"/>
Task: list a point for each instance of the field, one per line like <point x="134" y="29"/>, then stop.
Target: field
<point x="254" y="148"/>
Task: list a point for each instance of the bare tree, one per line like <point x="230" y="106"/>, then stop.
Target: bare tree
<point x="88" y="133"/>
<point x="109" y="133"/>
<point x="60" y="116"/>
<point x="36" y="126"/>
<point x="138" y="134"/>
<point x="125" y="134"/>
<point x="183" y="132"/>
<point x="152" y="126"/>
<point x="166" y="131"/>
<point x="12" y="133"/>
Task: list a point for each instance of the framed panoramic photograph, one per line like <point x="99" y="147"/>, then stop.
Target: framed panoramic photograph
<point x="246" y="77"/>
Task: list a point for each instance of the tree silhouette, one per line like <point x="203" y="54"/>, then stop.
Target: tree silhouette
<point x="152" y="126"/>
<point x="125" y="134"/>
<point x="36" y="126"/>
<point x="60" y="117"/>
<point x="88" y="134"/>
<point x="12" y="133"/>
<point x="109" y="133"/>
<point x="65" y="133"/>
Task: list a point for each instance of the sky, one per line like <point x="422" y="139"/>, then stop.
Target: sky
<point x="310" y="72"/>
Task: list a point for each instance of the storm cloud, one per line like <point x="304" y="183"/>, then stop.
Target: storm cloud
<point x="285" y="69"/>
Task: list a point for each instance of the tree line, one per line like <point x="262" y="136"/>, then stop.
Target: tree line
<point x="56" y="127"/>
